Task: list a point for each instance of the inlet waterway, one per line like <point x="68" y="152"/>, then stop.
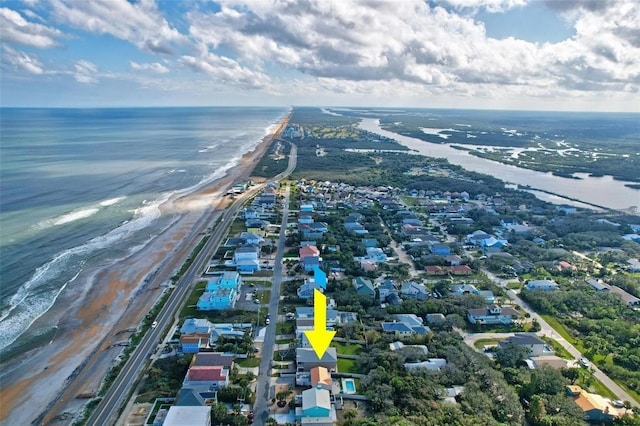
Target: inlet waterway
<point x="602" y="191"/>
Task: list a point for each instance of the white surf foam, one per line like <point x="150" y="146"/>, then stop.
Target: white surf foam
<point x="30" y="301"/>
<point x="112" y="201"/>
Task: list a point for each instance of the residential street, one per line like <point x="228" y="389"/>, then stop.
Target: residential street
<point x="547" y="330"/>
<point x="261" y="406"/>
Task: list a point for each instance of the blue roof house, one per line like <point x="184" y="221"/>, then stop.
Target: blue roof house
<point x="226" y="280"/>
<point x="320" y="277"/>
<point x="220" y="299"/>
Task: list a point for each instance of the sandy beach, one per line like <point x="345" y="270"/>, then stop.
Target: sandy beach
<point x="45" y="383"/>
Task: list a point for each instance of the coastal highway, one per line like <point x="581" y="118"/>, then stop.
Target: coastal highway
<point x="109" y="406"/>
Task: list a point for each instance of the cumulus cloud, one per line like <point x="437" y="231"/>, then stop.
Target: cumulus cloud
<point x="155" y="67"/>
<point x="139" y="23"/>
<point x="226" y="70"/>
<point x="415" y="43"/>
<point x="409" y="48"/>
<point x="85" y="72"/>
<point x="21" y="61"/>
<point x="16" y="29"/>
<point x="491" y="6"/>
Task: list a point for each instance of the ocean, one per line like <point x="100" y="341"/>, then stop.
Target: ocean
<point x="81" y="186"/>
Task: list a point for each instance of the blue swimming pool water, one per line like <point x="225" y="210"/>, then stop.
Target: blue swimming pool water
<point x="350" y="385"/>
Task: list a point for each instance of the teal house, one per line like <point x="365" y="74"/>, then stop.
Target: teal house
<point x="364" y="287"/>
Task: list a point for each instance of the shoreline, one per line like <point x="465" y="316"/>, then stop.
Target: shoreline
<point x="116" y="298"/>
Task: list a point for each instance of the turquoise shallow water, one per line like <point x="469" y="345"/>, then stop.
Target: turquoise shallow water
<point x="82" y="185"/>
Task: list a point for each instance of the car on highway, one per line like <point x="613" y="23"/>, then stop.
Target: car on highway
<point x="154" y="324"/>
<point x="267" y="321"/>
<point x="584" y="362"/>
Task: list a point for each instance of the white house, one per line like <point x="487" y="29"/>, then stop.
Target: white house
<point x="544" y="285"/>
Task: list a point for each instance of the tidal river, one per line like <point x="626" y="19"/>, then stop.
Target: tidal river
<point x="601" y="191"/>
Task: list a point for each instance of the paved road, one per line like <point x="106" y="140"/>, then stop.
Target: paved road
<point x="547" y="330"/>
<point x="130" y="373"/>
<point x="261" y="406"/>
<point x="115" y="397"/>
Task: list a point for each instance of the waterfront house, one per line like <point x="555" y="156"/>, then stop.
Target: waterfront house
<point x="193" y="343"/>
<point x="219" y="299"/>
<point x="251" y="238"/>
<point x="226" y="280"/>
<point x="188" y="416"/>
<point x="246" y="259"/>
<point x="213" y="377"/>
<point x="212" y="359"/>
<point x="196" y="325"/>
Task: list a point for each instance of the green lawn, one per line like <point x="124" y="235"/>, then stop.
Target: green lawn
<point x="347" y="366"/>
<point x="561" y="330"/>
<point x="248" y="362"/>
<point x="189" y="310"/>
<point x="601" y="389"/>
<point x="348" y="349"/>
<point x="287" y="327"/>
<point x="481" y="343"/>
<point x="557" y="348"/>
<point x="514" y="285"/>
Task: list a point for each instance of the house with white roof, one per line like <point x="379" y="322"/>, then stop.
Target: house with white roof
<point x="188" y="416"/>
<point x="544" y="285"/>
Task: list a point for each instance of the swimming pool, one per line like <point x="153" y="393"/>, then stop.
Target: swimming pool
<point x="348" y="386"/>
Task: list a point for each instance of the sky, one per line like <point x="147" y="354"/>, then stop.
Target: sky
<point x="575" y="55"/>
